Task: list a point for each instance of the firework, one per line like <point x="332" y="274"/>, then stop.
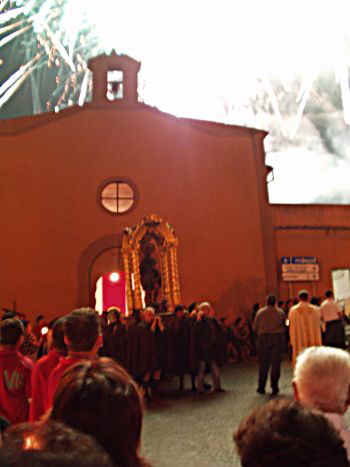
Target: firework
<point x="238" y="71"/>
<point x="36" y="30"/>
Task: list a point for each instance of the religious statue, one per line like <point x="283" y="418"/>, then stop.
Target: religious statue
<point x="150" y="276"/>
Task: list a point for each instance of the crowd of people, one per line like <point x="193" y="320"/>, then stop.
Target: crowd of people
<point x="152" y="347"/>
<point x="78" y="383"/>
<point x="68" y="387"/>
<point x="301" y="325"/>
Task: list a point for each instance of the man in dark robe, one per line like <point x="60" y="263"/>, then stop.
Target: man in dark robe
<point x="205" y="342"/>
<point x="220" y="340"/>
<point x="179" y="335"/>
<point x="114" y="337"/>
<point x="132" y="343"/>
<point x="141" y="359"/>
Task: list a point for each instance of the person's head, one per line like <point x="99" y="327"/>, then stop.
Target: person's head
<point x="39" y="319"/>
<point x="315" y="301"/>
<point x="271" y="300"/>
<point x="11" y="332"/>
<point x="8" y="315"/>
<point x="82" y="330"/>
<point x="179" y="311"/>
<point x="113" y="315"/>
<point x="100" y="398"/>
<point x="148" y="315"/>
<point x="50" y="444"/>
<point x="329" y="294"/>
<point x="283" y="433"/>
<point x="192" y="307"/>
<point x="56" y="335"/>
<point x="303" y="295"/>
<point x="322" y="379"/>
<point x="204" y="309"/>
<point x="280" y="303"/>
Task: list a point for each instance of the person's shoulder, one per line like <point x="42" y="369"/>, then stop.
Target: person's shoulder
<point x="9" y="359"/>
<point x="62" y="364"/>
<point x="261" y="311"/>
<point x="294" y="310"/>
<point x="48" y="360"/>
<point x="42" y="361"/>
<point x="338" y="421"/>
<point x="26" y="362"/>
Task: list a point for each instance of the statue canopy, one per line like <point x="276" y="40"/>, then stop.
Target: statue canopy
<point x="146" y="246"/>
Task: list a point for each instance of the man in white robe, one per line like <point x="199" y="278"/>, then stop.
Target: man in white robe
<point x="304" y="325"/>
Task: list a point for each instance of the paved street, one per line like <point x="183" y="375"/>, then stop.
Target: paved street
<point x="190" y="430"/>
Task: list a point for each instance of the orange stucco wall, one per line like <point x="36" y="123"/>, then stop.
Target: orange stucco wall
<point x="320" y="230"/>
<point x="201" y="179"/>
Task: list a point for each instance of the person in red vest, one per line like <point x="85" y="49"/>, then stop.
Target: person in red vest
<point x="82" y="335"/>
<point x="43" y="369"/>
<point x="15" y="374"/>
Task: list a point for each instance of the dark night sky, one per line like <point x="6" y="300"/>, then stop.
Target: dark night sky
<point x="20" y="103"/>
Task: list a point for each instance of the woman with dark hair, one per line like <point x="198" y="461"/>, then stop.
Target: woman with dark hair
<point x="101" y="399"/>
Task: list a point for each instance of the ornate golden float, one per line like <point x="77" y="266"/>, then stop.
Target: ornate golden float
<point x="138" y="243"/>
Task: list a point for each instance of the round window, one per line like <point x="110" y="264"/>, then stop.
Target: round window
<point x="117" y="196"/>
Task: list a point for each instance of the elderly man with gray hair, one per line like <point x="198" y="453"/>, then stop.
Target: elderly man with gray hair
<point x="322" y="381"/>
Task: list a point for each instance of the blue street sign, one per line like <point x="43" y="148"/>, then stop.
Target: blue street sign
<point x="304" y="260"/>
<point x="299" y="260"/>
<point x="285" y="260"/>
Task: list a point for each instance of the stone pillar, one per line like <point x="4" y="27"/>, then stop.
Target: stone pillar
<point x="129" y="298"/>
<point x="137" y="279"/>
<point x="175" y="275"/>
<point x="166" y="277"/>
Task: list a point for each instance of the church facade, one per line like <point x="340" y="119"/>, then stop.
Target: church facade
<point x="74" y="183"/>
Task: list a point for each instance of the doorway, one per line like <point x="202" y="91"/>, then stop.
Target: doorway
<point x="111" y="291"/>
